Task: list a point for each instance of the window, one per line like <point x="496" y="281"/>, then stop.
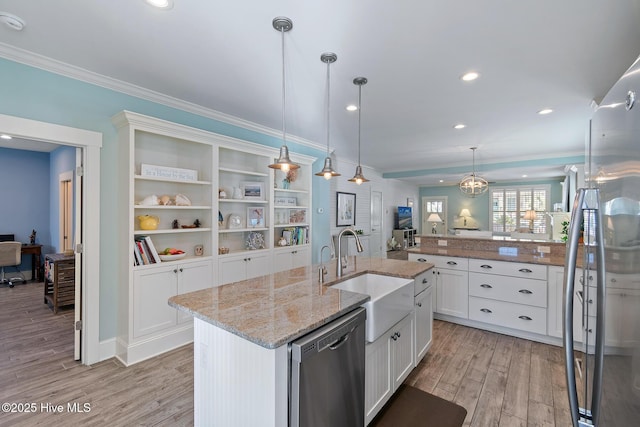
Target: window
<point x="509" y="205"/>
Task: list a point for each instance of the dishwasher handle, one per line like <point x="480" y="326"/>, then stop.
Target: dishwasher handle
<point x="342" y="340"/>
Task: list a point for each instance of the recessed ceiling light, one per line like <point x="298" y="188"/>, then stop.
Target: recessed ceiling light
<point x="460" y="126"/>
<point x="442" y="180"/>
<point x="545" y="111"/>
<point x="12" y="21"/>
<point x="4" y="136"/>
<point x="470" y="76"/>
<point x="161" y="4"/>
<point x="352" y="107"/>
<point x="524" y="176"/>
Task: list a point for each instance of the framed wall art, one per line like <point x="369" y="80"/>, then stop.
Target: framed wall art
<point x="253" y="190"/>
<point x="255" y="217"/>
<point x="345" y="209"/>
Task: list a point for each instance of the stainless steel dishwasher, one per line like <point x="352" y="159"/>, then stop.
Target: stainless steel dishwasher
<point x="327" y="374"/>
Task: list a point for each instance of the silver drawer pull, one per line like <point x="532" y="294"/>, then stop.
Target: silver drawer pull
<point x="525" y="270"/>
<point x="452" y="263"/>
<point x="484" y="285"/>
<point x="486" y="310"/>
<point x="424" y="280"/>
<point x="485" y="266"/>
<point x="525" y="318"/>
<point x="421" y="260"/>
<point x="525" y="291"/>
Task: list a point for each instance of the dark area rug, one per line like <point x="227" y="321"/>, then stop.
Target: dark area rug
<point x="412" y="407"/>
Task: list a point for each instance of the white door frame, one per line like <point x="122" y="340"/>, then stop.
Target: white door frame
<point x="91" y="142"/>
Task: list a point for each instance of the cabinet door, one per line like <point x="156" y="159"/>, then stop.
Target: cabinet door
<point x="193" y="277"/>
<point x="423" y="323"/>
<point x="452" y="293"/>
<point x="232" y="270"/>
<point x="151" y="290"/>
<point x="293" y="257"/>
<point x="403" y="351"/>
<point x="554" y="303"/>
<point x="378" y="387"/>
<point x="258" y="264"/>
<point x="301" y="257"/>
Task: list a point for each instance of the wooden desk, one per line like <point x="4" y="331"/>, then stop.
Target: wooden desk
<point x="35" y="251"/>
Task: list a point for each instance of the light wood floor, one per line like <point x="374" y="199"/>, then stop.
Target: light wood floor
<point x="500" y="380"/>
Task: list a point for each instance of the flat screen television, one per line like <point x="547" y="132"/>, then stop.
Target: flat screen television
<point x="404" y="218"/>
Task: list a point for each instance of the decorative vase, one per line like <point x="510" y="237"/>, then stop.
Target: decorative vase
<point x="285" y="184"/>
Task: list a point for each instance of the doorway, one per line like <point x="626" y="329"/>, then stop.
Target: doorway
<point x="65" y="209"/>
<point x="87" y="241"/>
<point x="436" y="206"/>
<point x="376" y="225"/>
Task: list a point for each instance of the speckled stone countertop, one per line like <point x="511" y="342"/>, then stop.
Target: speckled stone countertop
<point x="275" y="309"/>
<point x="512" y="250"/>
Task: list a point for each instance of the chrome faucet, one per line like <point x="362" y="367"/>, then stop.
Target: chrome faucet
<point x="339" y="264"/>
<point x="322" y="270"/>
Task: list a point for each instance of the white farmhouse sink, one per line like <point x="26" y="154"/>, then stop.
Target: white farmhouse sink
<point x="391" y="300"/>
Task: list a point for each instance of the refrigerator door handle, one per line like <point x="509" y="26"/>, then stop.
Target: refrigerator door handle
<point x="600" y="315"/>
<point x="571" y="258"/>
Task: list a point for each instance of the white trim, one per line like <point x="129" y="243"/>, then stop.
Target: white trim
<point x="91" y="142"/>
<point x="51" y="65"/>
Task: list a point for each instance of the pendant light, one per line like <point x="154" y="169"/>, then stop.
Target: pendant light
<point x="327" y="171"/>
<point x="359" y="178"/>
<point x="472" y="185"/>
<point x="284" y="163"/>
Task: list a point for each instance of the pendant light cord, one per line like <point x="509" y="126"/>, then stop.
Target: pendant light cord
<point x="284" y="132"/>
<point x="328" y="104"/>
<point x="359" y="118"/>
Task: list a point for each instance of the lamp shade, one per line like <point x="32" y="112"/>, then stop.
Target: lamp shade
<point x="434" y="217"/>
<point x="530" y="215"/>
<point x="465" y="213"/>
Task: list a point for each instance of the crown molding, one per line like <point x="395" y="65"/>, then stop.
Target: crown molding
<point x="67" y="70"/>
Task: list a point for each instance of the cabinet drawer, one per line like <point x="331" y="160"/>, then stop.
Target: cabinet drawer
<point x="510" y="289"/>
<point x="451" y="263"/>
<point x="509" y="315"/>
<point x="503" y="268"/>
<point x="422" y="282"/>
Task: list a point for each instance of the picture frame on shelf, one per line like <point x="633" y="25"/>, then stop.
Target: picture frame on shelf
<point x="255" y="217"/>
<point x="253" y="190"/>
<point x="345" y="209"/>
<point x="297" y="216"/>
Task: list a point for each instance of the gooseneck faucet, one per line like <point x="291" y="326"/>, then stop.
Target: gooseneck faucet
<point x="339" y="265"/>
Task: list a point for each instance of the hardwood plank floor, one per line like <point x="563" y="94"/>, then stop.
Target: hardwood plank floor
<point x="501" y="381"/>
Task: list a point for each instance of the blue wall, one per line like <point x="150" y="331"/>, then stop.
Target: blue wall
<point x="24" y="195"/>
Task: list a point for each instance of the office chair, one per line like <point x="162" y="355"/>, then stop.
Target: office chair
<point x="10" y="256"/>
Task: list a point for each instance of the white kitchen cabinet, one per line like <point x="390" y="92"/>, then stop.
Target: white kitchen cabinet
<point x="235" y="268"/>
<point x="291" y="257"/>
<point x="154" y="286"/>
<point x="389" y="360"/>
<point x="452" y="283"/>
<point x="423" y="312"/>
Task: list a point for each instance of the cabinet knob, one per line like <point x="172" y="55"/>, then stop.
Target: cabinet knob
<point x="421" y="260"/>
<point x="398" y="333"/>
<point x="393" y="337"/>
<point x="180" y="269"/>
<point x="487" y="266"/>
<point x="452" y="263"/>
<point x="525" y="318"/>
<point x="175" y="270"/>
<point x="486" y="286"/>
<point x="419" y="304"/>
<point x="525" y="270"/>
<point x="424" y="280"/>
<point x="525" y="291"/>
<point x="486" y="310"/>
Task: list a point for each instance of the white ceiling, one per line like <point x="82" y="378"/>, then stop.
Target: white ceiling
<point x="226" y="56"/>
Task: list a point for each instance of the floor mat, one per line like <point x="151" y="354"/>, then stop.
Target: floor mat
<point x="412" y="407"/>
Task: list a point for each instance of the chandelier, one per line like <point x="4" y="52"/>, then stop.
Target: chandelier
<point x="472" y="185"/>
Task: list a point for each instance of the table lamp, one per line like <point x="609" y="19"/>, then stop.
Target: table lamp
<point x="434" y="218"/>
<point x="464" y="213"/>
<point x="530" y="215"/>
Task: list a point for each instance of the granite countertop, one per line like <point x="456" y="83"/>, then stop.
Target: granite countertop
<point x="509" y="255"/>
<point x="275" y="309"/>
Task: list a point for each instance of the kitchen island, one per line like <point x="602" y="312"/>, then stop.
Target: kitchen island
<point x="242" y="331"/>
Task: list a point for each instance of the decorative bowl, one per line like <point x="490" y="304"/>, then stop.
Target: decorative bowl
<point x="148" y="222"/>
<point x="223" y="251"/>
<point x="172" y="257"/>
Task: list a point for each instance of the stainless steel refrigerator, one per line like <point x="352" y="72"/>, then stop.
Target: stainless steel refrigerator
<point x="602" y="268"/>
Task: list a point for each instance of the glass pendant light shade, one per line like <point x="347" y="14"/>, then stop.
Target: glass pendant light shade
<point x="473" y="185"/>
<point x="284" y="163"/>
<point x="359" y="178"/>
<point x="327" y="171"/>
